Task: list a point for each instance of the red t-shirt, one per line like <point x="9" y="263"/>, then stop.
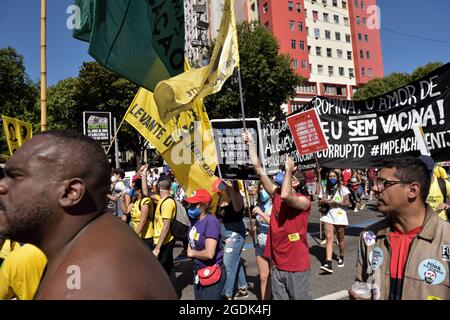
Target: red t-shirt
<point x="346" y="175"/>
<point x="400" y="244"/>
<point x="287" y="243"/>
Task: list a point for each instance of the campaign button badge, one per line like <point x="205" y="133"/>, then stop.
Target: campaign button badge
<point x="369" y="238"/>
<point x="446" y="252"/>
<point x="432" y="271"/>
<point x="376" y="257"/>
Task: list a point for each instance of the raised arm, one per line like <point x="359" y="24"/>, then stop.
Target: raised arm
<point x="287" y="194"/>
<point x="257" y="166"/>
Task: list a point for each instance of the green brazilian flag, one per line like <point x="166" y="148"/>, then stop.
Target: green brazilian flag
<point x="141" y="40"/>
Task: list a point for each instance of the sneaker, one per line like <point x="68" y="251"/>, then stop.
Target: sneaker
<point x="327" y="267"/>
<point x="340" y="263"/>
<point x="356" y="210"/>
<point x="362" y="206"/>
<point x="241" y="294"/>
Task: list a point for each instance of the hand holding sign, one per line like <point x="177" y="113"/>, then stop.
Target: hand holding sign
<point x="290" y="165"/>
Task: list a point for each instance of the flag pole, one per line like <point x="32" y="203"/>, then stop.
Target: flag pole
<point x="245" y="128"/>
<point x="115" y="134"/>
<point x="43" y="66"/>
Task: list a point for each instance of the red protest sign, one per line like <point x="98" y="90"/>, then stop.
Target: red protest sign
<point x="307" y="132"/>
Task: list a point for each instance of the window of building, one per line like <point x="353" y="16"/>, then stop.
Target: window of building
<point x="370" y="72"/>
<point x="309" y="49"/>
<point x="344" y="4"/>
<point x="265" y="7"/>
<point x="361" y="54"/>
<point x="351" y="73"/>
<point x="356" y="3"/>
<point x="299" y="7"/>
<point x="336" y="19"/>
<point x="325" y="17"/>
<point x="295" y="63"/>
<point x="358" y="21"/>
<point x="320" y="69"/>
<point x="290" y="6"/>
<point x="362" y="5"/>
<point x="366" y="38"/>
<point x="302" y="45"/>
<point x="310" y="67"/>
<point x="266" y="25"/>
<point x="313" y="1"/>
<point x="347" y="37"/>
<point x="363" y="71"/>
<point x="253" y="7"/>
<point x="330" y="70"/>
<point x="291" y="25"/>
<point x="338" y="36"/>
<point x="359" y="37"/>
<point x="341" y="71"/>
<point x="306" y="88"/>
<point x="318" y="51"/>
<point x="304" y="64"/>
<point x="315" y="15"/>
<point x="317" y="33"/>
<point x="364" y="21"/>
<point x="306" y="13"/>
<point x="307" y="31"/>
<point x="349" y="55"/>
<point x="327" y="34"/>
<point x="367" y="54"/>
<point x="346" y="21"/>
<point x="339" y="53"/>
<point x="331" y="89"/>
<point x="334" y="3"/>
<point x="324" y="3"/>
<point x="293" y="44"/>
<point x="300" y="26"/>
<point x="329" y="55"/>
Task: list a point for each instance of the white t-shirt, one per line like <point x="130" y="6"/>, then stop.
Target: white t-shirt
<point x="336" y="215"/>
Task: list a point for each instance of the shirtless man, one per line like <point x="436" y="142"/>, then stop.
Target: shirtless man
<point x="53" y="196"/>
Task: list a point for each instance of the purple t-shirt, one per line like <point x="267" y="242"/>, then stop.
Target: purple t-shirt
<point x="209" y="227"/>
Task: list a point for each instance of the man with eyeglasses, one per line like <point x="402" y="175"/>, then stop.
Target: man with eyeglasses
<point x="397" y="255"/>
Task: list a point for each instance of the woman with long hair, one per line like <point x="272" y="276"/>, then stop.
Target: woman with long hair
<point x="333" y="203"/>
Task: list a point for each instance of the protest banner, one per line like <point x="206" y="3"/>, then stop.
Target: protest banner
<point x="232" y="153"/>
<point x="361" y="134"/>
<point x="16" y="132"/>
<point x="307" y="132"/>
<point x="97" y="125"/>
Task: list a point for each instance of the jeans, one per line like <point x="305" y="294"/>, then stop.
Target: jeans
<point x="233" y="237"/>
<point x="213" y="292"/>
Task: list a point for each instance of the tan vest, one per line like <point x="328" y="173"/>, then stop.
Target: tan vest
<point x="427" y="267"/>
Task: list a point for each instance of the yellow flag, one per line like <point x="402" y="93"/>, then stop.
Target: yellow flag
<point x="176" y="94"/>
<point x="186" y="142"/>
<point x="16" y="132"/>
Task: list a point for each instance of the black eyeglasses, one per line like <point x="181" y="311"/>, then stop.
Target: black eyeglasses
<point x="383" y="184"/>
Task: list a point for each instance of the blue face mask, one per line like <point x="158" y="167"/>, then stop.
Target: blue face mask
<point x="264" y="196"/>
<point x="279" y="178"/>
<point x="132" y="193"/>
<point x="193" y="212"/>
<point x="333" y="181"/>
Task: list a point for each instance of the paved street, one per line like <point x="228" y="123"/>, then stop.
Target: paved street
<point x="323" y="285"/>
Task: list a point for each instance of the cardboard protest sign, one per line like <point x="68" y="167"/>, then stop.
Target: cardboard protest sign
<point x="232" y="153"/>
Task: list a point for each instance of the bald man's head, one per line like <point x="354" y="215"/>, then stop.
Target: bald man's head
<point x="55" y="172"/>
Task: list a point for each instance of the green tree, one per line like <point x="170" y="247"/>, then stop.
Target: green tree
<point x="267" y="78"/>
<point x="62" y="109"/>
<point x="393" y="81"/>
<point x="18" y="94"/>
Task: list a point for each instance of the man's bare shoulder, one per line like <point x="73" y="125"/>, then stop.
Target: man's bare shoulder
<point x="111" y="263"/>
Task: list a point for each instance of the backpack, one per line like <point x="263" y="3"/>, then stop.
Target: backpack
<point x="179" y="227"/>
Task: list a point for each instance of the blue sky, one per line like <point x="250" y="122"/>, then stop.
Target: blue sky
<point x="20" y="23"/>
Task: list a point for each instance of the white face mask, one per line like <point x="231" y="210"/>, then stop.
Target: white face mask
<point x="113" y="178"/>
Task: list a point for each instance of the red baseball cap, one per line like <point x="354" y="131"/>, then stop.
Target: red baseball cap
<point x="136" y="177"/>
<point x="200" y="195"/>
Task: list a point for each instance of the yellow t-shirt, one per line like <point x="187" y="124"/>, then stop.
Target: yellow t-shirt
<point x="147" y="230"/>
<point x="166" y="211"/>
<point x="8" y="247"/>
<point x="435" y="197"/>
<point x="21" y="273"/>
<point x="439" y="172"/>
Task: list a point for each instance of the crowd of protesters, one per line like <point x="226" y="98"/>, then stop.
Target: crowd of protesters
<point x="411" y="192"/>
